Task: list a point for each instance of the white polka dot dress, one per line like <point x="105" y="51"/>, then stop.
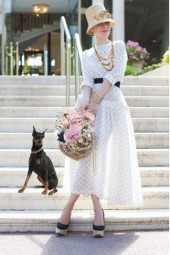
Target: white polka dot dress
<point x="111" y="170"/>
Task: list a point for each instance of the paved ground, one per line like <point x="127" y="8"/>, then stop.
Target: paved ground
<point x="117" y="243"/>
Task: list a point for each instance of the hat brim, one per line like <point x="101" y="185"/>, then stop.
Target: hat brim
<point x="89" y="32"/>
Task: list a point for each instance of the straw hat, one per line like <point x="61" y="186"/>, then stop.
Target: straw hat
<point x="97" y="14"/>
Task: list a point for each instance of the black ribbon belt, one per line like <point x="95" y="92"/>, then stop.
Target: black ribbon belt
<point x="100" y="80"/>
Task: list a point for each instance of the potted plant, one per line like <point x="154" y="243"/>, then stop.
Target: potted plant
<point x="136" y="54"/>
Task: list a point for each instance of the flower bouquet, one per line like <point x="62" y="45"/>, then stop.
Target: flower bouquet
<point x="75" y="133"/>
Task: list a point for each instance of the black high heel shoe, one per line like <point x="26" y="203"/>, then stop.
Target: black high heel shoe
<point x="61" y="229"/>
<point x="98" y="231"/>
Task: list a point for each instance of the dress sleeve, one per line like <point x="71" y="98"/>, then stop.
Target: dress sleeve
<point x="87" y="78"/>
<point x="118" y="71"/>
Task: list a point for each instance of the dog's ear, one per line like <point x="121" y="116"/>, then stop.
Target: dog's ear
<point x="34" y="131"/>
<point x="44" y="132"/>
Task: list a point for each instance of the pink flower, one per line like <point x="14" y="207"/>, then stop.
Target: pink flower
<point x="76" y="116"/>
<point x="88" y="116"/>
<point x="72" y="135"/>
<point x="133" y="44"/>
<point x="65" y="123"/>
<point x="139" y="48"/>
<point x="77" y="125"/>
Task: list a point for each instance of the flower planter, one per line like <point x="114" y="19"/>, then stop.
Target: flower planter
<point x="136" y="55"/>
<point x="138" y="65"/>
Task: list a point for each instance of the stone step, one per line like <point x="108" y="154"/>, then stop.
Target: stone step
<point x="139" y="90"/>
<point x="19" y="157"/>
<point x="146" y="81"/>
<point x="115" y="220"/>
<point x="162" y="101"/>
<point x="35" y="80"/>
<point x="24" y="140"/>
<point x="48" y="101"/>
<point x="154" y="176"/>
<point x="60" y="90"/>
<point x="153" y="157"/>
<point x="49" y="112"/>
<point x="37" y="90"/>
<point x="150" y="124"/>
<point x="152" y="140"/>
<point x="148" y="112"/>
<point x="24" y="125"/>
<point x="61" y="80"/>
<point x="32" y="199"/>
<point x="15" y="176"/>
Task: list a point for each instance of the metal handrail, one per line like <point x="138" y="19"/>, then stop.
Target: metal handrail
<point x="77" y="55"/>
<point x="65" y="31"/>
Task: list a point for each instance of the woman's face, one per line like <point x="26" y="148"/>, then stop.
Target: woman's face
<point x="102" y="30"/>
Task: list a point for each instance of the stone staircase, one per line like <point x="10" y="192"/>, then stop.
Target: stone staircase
<point x="36" y="32"/>
<point x="28" y="101"/>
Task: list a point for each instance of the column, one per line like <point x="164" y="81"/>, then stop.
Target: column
<point x="118" y="32"/>
<point x="49" y="52"/>
<point x="3" y="38"/>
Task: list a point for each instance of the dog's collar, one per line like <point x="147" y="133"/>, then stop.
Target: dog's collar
<point x="34" y="152"/>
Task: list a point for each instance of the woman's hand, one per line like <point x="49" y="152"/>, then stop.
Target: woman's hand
<point x="93" y="107"/>
<point x="83" y="100"/>
<point x="95" y="100"/>
<point x="82" y="103"/>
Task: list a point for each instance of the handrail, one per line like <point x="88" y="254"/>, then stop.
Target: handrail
<point x="65" y="31"/>
<point x="77" y="55"/>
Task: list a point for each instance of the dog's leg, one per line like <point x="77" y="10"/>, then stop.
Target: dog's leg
<point x="52" y="192"/>
<point x="44" y="164"/>
<point x="52" y="186"/>
<point x="25" y="184"/>
<point x="45" y="185"/>
<point x="45" y="191"/>
<point x="41" y="180"/>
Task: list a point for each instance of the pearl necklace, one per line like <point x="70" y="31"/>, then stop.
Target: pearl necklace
<point x="107" y="63"/>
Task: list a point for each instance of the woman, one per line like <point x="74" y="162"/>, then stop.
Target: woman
<point x="110" y="172"/>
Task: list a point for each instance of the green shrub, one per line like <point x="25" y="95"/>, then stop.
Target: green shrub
<point x="150" y="68"/>
<point x="130" y="70"/>
<point x="165" y="59"/>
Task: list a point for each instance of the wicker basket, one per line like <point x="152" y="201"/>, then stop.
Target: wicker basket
<point x="78" y="150"/>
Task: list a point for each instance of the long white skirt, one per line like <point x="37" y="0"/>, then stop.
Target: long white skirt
<point x="111" y="170"/>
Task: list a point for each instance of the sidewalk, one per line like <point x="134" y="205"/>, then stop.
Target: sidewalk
<point x="114" y="243"/>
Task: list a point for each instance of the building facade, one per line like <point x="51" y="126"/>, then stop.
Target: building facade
<point x="34" y="35"/>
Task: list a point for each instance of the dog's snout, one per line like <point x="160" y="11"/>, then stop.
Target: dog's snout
<point x="38" y="141"/>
